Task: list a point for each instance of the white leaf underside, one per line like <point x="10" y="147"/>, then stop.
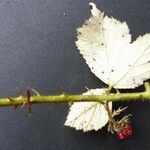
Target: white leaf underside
<point x="88" y="116"/>
<point x="105" y="44"/>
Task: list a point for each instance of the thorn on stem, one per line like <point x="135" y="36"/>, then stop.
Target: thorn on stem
<point x="29" y="104"/>
<point x="64" y="93"/>
<point x="37" y="93"/>
<point x="11" y="99"/>
<point x="62" y="90"/>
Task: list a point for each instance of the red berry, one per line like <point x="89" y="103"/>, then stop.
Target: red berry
<point x="129" y="132"/>
<point x="128" y="126"/>
<point x="125" y="132"/>
<point x="120" y="135"/>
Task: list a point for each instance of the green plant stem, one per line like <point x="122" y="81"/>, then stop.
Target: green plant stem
<point x="66" y="98"/>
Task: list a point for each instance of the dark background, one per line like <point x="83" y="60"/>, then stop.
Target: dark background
<point x="37" y="50"/>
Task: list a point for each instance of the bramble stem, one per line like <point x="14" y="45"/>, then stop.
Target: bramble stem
<point x="66" y="98"/>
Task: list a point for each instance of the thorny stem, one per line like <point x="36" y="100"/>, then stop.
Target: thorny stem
<point x="66" y="98"/>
